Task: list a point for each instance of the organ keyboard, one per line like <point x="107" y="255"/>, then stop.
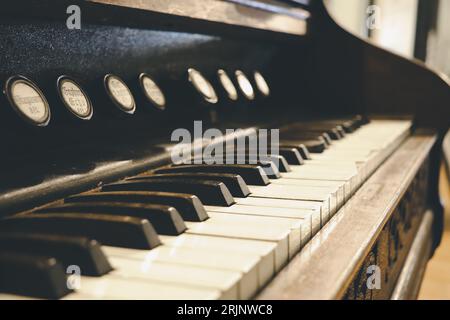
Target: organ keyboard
<point x="93" y="207"/>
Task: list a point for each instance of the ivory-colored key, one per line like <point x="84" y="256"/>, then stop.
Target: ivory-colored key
<point x="319" y="171"/>
<point x="266" y="250"/>
<point x="318" y="207"/>
<point x="246" y="264"/>
<point x="192" y="276"/>
<point x="297" y="227"/>
<point x="274" y="191"/>
<point x="113" y="288"/>
<point x="361" y="163"/>
<point x="364" y="164"/>
<point x="293" y="227"/>
<point x="339" y="185"/>
<point x="280" y="238"/>
<point x="309" y="218"/>
<point x="347" y="178"/>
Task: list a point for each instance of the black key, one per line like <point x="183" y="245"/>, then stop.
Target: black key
<point x="349" y="126"/>
<point x="271" y="164"/>
<point x="355" y="122"/>
<point x="313" y="146"/>
<point x="234" y="156"/>
<point x="340" y="132"/>
<point x="189" y="206"/>
<point x="165" y="219"/>
<point x="209" y="192"/>
<point x="269" y="168"/>
<point x="327" y="139"/>
<point x="334" y="133"/>
<point x="361" y="120"/>
<point x="292" y="156"/>
<point x="300" y="133"/>
<point x="252" y="175"/>
<point x="69" y="250"/>
<point x="322" y="136"/>
<point x="33" y="276"/>
<point x="301" y="148"/>
<point x="279" y="161"/>
<point x="234" y="182"/>
<point x="304" y="152"/>
<point x="119" y="231"/>
<point x="322" y="129"/>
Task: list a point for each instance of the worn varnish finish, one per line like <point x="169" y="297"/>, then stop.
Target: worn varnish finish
<point x="329" y="265"/>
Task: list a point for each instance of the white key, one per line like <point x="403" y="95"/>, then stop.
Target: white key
<point x="266" y="250"/>
<point x="364" y="164"/>
<point x="348" y="178"/>
<point x="254" y="229"/>
<point x="360" y="163"/>
<point x="337" y="188"/>
<point x="273" y="191"/>
<point x="280" y="238"/>
<point x="340" y="195"/>
<point x="112" y="288"/>
<point x="294" y="226"/>
<point x="318" y="208"/>
<point x="227" y="282"/>
<point x="320" y="171"/>
<point x="310" y="218"/>
<point x="246" y="264"/>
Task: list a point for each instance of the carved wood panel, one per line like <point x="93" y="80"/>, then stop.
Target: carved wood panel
<point x="390" y="250"/>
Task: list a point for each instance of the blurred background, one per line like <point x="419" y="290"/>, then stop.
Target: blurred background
<point x="412" y="28"/>
<point x="418" y="29"/>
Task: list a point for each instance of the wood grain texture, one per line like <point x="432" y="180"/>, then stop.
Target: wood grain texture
<point x="328" y="264"/>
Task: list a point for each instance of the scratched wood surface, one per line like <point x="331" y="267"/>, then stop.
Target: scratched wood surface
<point x="327" y="266"/>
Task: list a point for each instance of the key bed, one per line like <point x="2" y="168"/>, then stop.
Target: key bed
<point x="218" y="232"/>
